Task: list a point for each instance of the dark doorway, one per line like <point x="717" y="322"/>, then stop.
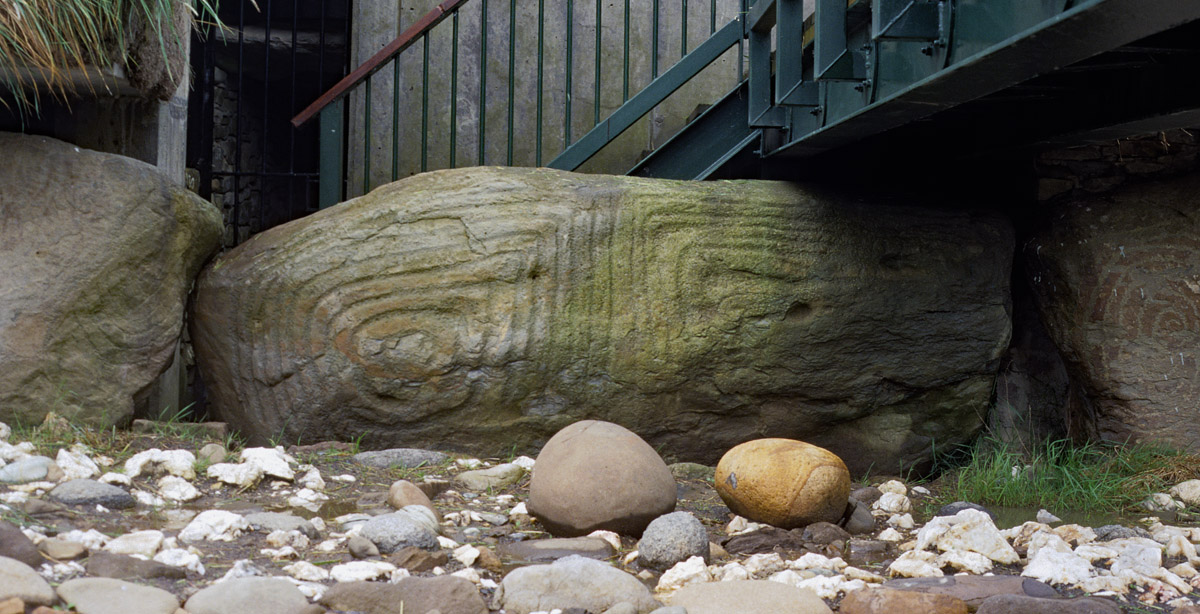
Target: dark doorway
<point x="249" y="80"/>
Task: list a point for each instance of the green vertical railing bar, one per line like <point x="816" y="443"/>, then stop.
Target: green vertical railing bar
<point x="625" y="70"/>
<point x="512" y="67"/>
<point x="742" y="43"/>
<point x="712" y="18"/>
<point x="483" y="44"/>
<point x="331" y="160"/>
<point x="570" y="44"/>
<point x="425" y="108"/>
<point x="654" y="41"/>
<point x="683" y="31"/>
<point x="395" y="119"/>
<point x="653" y="94"/>
<point x="454" y="94"/>
<point x="596" y="89"/>
<point x="366" y="182"/>
<point x="540" y="67"/>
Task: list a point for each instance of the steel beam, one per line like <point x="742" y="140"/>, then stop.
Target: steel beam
<point x="1089" y="28"/>
<point x="701" y="147"/>
<point x="654" y="93"/>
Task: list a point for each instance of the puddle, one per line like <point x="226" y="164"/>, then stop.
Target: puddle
<point x="1007" y="517"/>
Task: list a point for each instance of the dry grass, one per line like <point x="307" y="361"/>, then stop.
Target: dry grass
<point x="52" y="37"/>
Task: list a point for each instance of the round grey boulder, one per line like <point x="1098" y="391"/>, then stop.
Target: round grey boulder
<point x="595" y="475"/>
<point x="672" y="538"/>
<point x="91" y="492"/>
<point x="391" y="532"/>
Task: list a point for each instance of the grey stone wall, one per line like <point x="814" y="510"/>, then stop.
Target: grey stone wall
<point x="246" y="192"/>
<point x="1100" y="167"/>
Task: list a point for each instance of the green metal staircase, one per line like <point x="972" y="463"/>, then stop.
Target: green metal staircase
<point x="894" y="79"/>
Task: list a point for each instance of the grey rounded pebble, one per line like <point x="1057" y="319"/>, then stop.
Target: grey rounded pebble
<point x="361" y="547"/>
<point x="951" y="509"/>
<point x="111" y="596"/>
<point x="860" y="520"/>
<point x="1116" y="531"/>
<point x="29" y="469"/>
<point x="213" y="453"/>
<point x="406" y="458"/>
<point x="277" y="521"/>
<point x="391" y="532"/>
<point x="672" y="538"/>
<point x="91" y="492"/>
<point x="866" y="494"/>
<point x="573" y="581"/>
<point x="674" y="609"/>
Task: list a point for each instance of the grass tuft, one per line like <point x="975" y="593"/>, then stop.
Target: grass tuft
<point x="51" y="37"/>
<point x="1060" y="475"/>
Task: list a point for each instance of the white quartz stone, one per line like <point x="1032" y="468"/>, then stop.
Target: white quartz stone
<point x="916" y="564"/>
<point x="214" y="525"/>
<point x="691" y="571"/>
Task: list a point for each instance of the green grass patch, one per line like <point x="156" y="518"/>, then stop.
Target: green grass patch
<point x="1061" y="475"/>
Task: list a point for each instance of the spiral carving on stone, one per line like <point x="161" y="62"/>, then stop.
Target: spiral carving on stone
<point x="489" y="302"/>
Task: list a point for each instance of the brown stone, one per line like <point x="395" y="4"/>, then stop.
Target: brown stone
<point x="415" y="559"/>
<point x="1021" y="604"/>
<point x="487" y="308"/>
<point x="825" y="533"/>
<point x="447" y="594"/>
<point x="432" y="487"/>
<point x="99" y="254"/>
<point x="887" y="601"/>
<point x="546" y="550"/>
<point x="769" y="539"/>
<point x="595" y="475"/>
<point x="15" y="545"/>
<point x="488" y="560"/>
<point x="1117" y="280"/>
<point x="62" y="550"/>
<point x="40" y="506"/>
<point x="13" y="605"/>
<point x="783" y="482"/>
<point x="54" y="473"/>
<point x="403" y="492"/>
<point x="124" y="567"/>
<point x="974" y="589"/>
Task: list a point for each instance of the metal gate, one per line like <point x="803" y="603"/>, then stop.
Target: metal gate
<point x="249" y="80"/>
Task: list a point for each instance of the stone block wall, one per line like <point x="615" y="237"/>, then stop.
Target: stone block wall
<point x="1100" y="167"/>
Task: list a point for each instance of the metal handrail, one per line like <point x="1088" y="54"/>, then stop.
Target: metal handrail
<point x="376" y="62"/>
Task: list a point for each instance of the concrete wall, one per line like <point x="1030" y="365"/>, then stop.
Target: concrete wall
<point x="378" y="22"/>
